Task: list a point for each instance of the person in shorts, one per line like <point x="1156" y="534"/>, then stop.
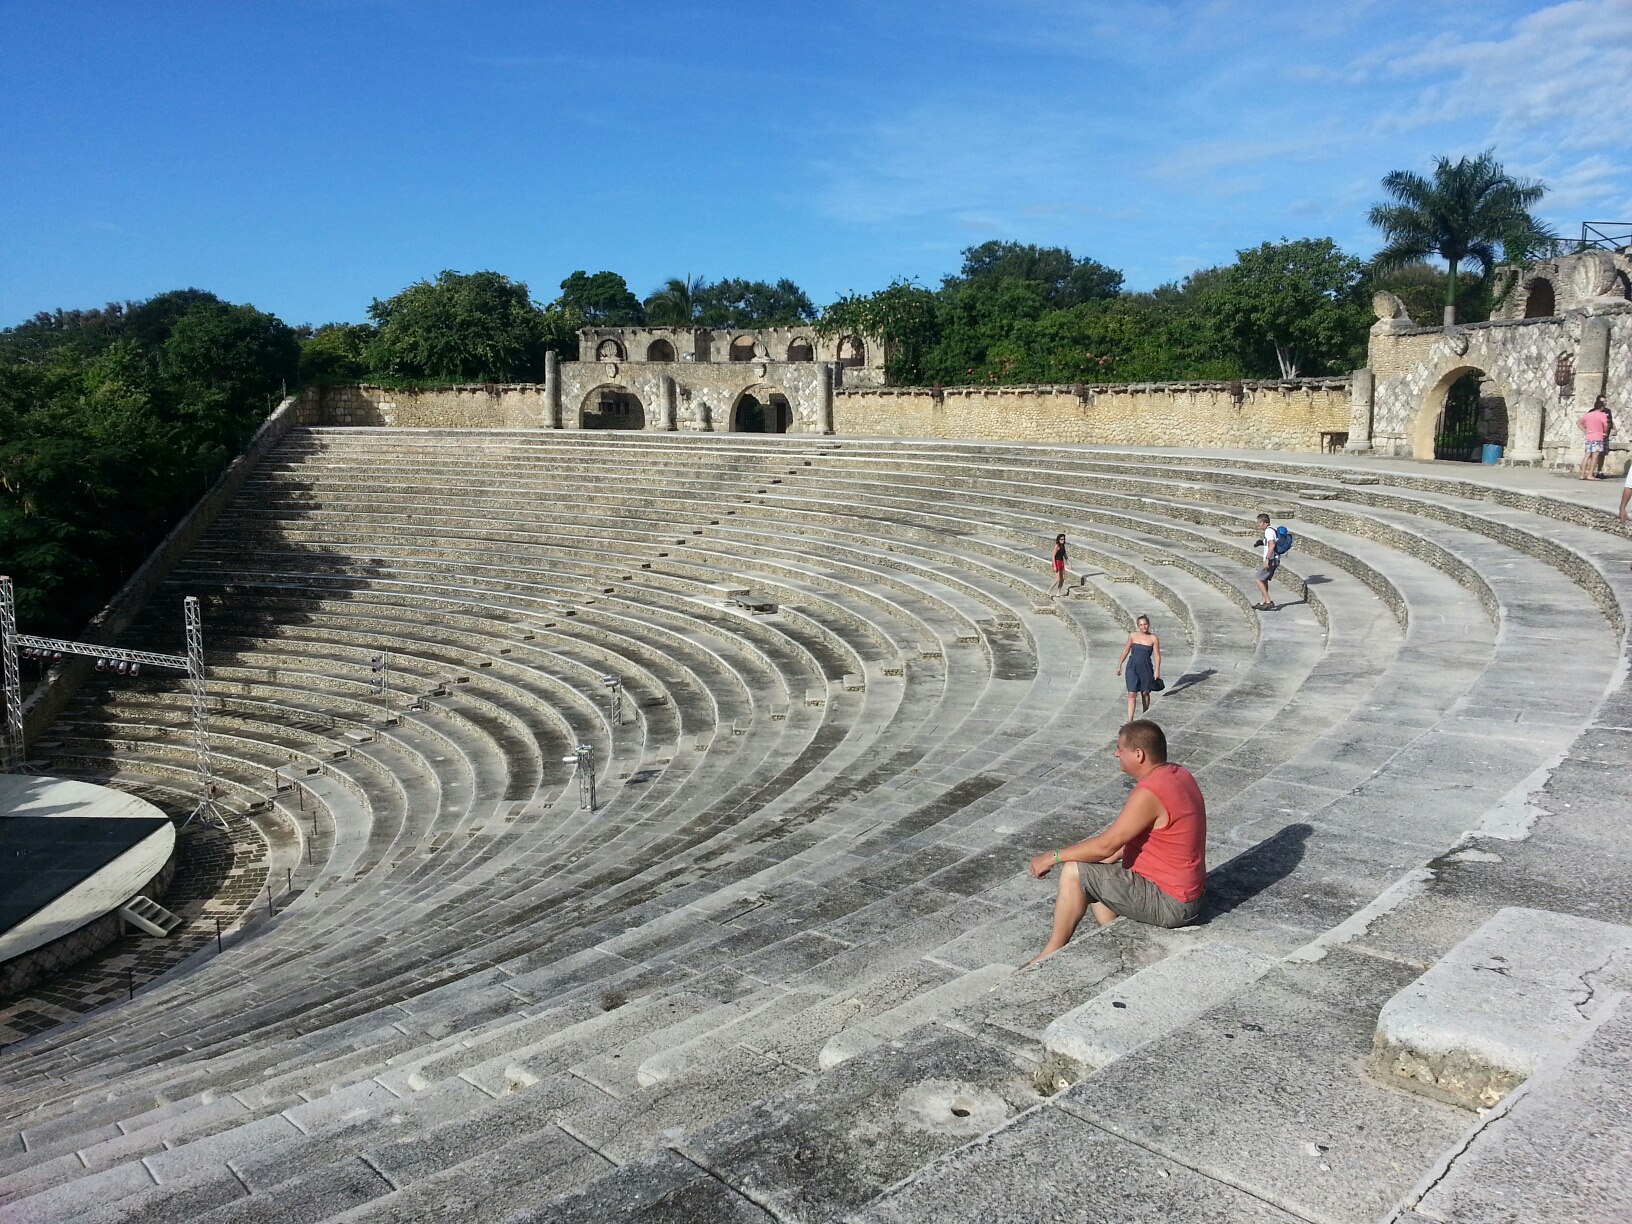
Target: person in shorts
<point x="1150" y="864"/>
<point x="1268" y="564"/>
<point x="1596" y="426"/>
<point x="1059" y="565"/>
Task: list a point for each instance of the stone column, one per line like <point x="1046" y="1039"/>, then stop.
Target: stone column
<point x="824" y="397"/>
<point x="552" y="390"/>
<point x="1524" y="439"/>
<point x="1362" y="397"/>
<point x="669" y="411"/>
<point x="1592" y="361"/>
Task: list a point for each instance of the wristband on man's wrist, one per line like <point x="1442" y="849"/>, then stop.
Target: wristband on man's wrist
<point x="1056" y="856"/>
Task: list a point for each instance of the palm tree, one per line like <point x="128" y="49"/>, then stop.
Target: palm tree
<point x="677" y="303"/>
<point x="1469" y="208"/>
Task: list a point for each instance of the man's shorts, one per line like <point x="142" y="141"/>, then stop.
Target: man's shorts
<point x="1130" y="895"/>
<point x="1266" y="572"/>
<point x="1597" y="448"/>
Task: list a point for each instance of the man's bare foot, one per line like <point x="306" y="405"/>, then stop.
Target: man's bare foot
<point x="1035" y="961"/>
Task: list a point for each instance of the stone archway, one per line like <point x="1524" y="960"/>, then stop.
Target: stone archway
<point x="742" y="349"/>
<point x="1539" y="299"/>
<point x="1491" y="409"/>
<point x="609" y="350"/>
<point x="612" y="406"/>
<point x="660" y="350"/>
<point x="852" y="352"/>
<point x="762" y="409"/>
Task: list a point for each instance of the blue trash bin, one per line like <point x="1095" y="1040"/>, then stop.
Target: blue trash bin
<point x="1490" y="453"/>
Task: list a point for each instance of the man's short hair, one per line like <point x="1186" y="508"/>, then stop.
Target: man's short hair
<point x="1146" y="736"/>
<point x="1263" y="518"/>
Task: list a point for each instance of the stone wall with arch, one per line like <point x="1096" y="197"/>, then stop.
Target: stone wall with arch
<point x="1543" y="370"/>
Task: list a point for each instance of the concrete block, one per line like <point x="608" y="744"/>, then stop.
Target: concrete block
<point x="1500" y="1004"/>
<point x="1154" y="1001"/>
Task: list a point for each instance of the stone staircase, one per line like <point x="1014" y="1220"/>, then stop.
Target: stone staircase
<point x="769" y="978"/>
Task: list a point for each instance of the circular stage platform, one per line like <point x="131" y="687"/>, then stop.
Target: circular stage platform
<point x="71" y="853"/>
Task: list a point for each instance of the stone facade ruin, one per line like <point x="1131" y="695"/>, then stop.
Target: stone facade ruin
<point x="1537" y="373"/>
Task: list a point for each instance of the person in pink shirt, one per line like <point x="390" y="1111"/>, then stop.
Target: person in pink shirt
<point x="1596" y="425"/>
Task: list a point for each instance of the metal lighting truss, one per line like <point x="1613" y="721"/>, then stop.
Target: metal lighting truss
<point x="192" y="663"/>
<point x="583" y="761"/>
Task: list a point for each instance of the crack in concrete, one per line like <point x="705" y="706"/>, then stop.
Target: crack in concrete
<point x="1591" y="987"/>
<point x="1448" y="1162"/>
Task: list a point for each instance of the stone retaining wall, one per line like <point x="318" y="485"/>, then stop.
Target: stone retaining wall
<point x="1289" y="415"/>
<point x="37" y="964"/>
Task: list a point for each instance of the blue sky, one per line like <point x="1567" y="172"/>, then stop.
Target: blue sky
<point x="309" y="156"/>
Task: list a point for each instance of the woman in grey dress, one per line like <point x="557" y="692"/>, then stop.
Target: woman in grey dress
<point x="1143" y="655"/>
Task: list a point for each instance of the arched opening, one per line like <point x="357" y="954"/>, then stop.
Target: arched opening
<point x="761" y="410"/>
<point x="612" y="407"/>
<point x="852" y="352"/>
<point x="1539" y="302"/>
<point x="609" y="350"/>
<point x="1462" y="412"/>
<point x="660" y="350"/>
<point x="742" y="348"/>
<point x="801" y="350"/>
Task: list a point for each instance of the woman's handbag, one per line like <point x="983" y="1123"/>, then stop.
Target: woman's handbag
<point x="1157" y="685"/>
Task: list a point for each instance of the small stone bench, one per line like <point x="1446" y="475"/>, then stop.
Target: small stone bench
<point x="1499" y="1005"/>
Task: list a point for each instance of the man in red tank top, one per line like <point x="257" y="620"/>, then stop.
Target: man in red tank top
<point x="1150" y="865"/>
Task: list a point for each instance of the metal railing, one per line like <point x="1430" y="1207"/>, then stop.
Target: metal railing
<point x="1606" y="235"/>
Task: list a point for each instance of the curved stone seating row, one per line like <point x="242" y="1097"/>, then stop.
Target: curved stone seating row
<point x="737" y="984"/>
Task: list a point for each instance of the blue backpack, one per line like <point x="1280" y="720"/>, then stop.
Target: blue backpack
<point x="1283" y="541"/>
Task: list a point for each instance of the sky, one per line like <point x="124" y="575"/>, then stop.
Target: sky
<point x="308" y="156"/>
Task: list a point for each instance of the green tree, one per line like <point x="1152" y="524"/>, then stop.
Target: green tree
<point x="743" y="303"/>
<point x="1465" y="213"/>
<point x="972" y="320"/>
<point x="476" y="327"/>
<point x="676" y="303"/>
<point x="601" y="300"/>
<point x="336" y="352"/>
<point x="1289" y="306"/>
<point x="111" y="423"/>
<point x="1065" y="279"/>
<point x="902" y="315"/>
<point x="229" y="362"/>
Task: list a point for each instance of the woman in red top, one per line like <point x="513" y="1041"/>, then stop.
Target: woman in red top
<point x="1150" y="865"/>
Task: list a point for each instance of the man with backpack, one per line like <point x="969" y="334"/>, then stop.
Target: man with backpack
<point x="1276" y="540"/>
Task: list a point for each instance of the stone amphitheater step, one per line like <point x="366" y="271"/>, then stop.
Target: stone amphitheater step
<point x="866" y="931"/>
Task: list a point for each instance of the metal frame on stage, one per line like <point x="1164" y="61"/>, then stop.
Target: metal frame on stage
<point x="13" y="756"/>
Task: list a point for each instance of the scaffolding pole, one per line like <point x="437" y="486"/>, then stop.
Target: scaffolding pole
<point x="192" y="663"/>
<point x="11" y="751"/>
<point x="207" y="810"/>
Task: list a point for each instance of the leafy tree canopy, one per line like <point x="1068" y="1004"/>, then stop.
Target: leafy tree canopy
<point x="903" y="316"/>
<point x="112" y="422"/>
<point x="1065" y="279"/>
<point x="744" y="303"/>
<point x="1292" y="305"/>
<point x="476" y="327"/>
<point x="601" y="300"/>
<point x="337" y="353"/>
